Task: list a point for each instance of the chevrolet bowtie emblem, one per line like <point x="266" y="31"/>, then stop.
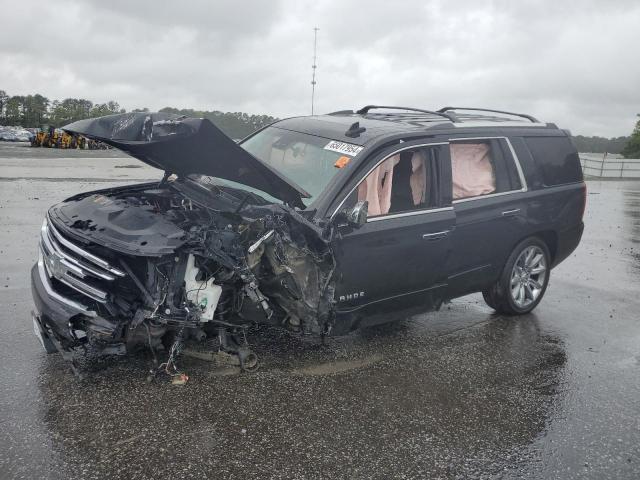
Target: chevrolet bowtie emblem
<point x="56" y="268"/>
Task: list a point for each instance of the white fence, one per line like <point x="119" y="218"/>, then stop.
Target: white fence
<point x="603" y="166"/>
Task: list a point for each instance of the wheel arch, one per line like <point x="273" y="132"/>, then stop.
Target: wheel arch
<point x="496" y="295"/>
<point x="550" y="238"/>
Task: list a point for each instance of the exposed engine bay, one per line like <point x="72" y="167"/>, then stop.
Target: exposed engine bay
<point x="159" y="264"/>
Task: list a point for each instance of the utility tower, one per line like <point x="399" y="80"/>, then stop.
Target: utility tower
<point x="314" y="66"/>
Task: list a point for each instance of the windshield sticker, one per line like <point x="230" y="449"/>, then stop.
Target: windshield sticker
<point x="342" y="162"/>
<point x="344" y="148"/>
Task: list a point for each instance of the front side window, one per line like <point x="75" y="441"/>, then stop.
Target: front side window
<point x="401" y="183"/>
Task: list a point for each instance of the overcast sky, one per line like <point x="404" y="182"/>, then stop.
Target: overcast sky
<point x="576" y="63"/>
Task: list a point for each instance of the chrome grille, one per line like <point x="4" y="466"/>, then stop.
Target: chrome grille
<point x="74" y="266"/>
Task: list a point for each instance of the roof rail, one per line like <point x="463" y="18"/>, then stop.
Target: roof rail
<point x="523" y="115"/>
<point x="448" y="116"/>
<point x="341" y="112"/>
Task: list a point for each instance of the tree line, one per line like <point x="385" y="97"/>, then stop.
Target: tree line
<point x="234" y="124"/>
<point x="600" y="144"/>
<point x="632" y="148"/>
<point x="37" y="111"/>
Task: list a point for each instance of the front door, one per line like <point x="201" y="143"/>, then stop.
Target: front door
<point x="395" y="263"/>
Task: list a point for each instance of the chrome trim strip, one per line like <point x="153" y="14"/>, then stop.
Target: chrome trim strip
<point x="395" y="152"/>
<point x="44" y="278"/>
<point x="71" y="282"/>
<point x="523" y="180"/>
<point x="91" y="270"/>
<point x="91" y="292"/>
<point x="45" y="242"/>
<point x="48" y="249"/>
<point x="89" y="256"/>
<point x="488" y="195"/>
<point x="509" y="212"/>
<point x="72" y="263"/>
<point x="407" y="214"/>
<point x="443" y="233"/>
<point x="71" y="267"/>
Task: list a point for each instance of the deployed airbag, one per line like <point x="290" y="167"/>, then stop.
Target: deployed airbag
<point x="472" y="170"/>
<point x="376" y="188"/>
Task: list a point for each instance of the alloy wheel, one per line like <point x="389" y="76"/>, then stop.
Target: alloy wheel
<point x="528" y="276"/>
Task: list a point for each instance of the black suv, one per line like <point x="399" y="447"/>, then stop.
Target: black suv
<point x="318" y="224"/>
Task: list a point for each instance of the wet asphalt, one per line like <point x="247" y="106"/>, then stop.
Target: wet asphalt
<point x="459" y="393"/>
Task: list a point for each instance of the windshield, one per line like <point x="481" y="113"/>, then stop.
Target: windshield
<point x="303" y="158"/>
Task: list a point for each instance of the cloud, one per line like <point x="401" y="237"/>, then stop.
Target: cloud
<point x="568" y="62"/>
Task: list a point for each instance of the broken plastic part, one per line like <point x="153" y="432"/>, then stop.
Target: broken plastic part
<point x="181" y="379"/>
<point x="260" y="241"/>
<point x="202" y="293"/>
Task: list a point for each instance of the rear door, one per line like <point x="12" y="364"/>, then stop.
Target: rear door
<point x="488" y="199"/>
<point x="395" y="263"/>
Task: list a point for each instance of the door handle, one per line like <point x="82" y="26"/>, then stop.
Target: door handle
<point x="435" y="236"/>
<point x="510" y="213"/>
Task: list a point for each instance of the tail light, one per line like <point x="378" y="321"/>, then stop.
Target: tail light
<point x="584" y="199"/>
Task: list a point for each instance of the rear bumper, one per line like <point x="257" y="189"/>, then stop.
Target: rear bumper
<point x="568" y="241"/>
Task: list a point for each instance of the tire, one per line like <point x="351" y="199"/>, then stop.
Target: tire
<point x="523" y="281"/>
<point x="488" y="299"/>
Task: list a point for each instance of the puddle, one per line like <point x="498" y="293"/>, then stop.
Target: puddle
<point x="338" y="366"/>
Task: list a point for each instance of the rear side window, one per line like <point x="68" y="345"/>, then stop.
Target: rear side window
<point x="557" y="158"/>
<point x="472" y="169"/>
<point x="482" y="167"/>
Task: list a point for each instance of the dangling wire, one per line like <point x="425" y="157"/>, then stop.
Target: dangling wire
<point x="170" y="367"/>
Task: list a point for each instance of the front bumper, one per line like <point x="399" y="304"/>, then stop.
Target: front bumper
<point x="41" y="332"/>
<point x="53" y="310"/>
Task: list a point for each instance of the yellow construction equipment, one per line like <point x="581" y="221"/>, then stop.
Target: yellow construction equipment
<point x="55" y="138"/>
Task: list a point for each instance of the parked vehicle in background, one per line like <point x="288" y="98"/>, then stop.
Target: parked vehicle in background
<point x="320" y="225"/>
<point x="14" y="134"/>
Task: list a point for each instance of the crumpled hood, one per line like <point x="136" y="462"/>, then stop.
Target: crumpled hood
<point x="181" y="145"/>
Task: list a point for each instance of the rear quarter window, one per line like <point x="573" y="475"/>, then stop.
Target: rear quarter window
<point x="557" y="158"/>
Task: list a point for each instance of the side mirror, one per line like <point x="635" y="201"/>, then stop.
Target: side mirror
<point x="357" y="216"/>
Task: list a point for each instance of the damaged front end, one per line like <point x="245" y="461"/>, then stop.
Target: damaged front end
<point x="159" y="265"/>
<point x="141" y="266"/>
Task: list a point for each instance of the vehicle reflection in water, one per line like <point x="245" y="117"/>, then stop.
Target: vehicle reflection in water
<point x="458" y="389"/>
<point x="632" y="211"/>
